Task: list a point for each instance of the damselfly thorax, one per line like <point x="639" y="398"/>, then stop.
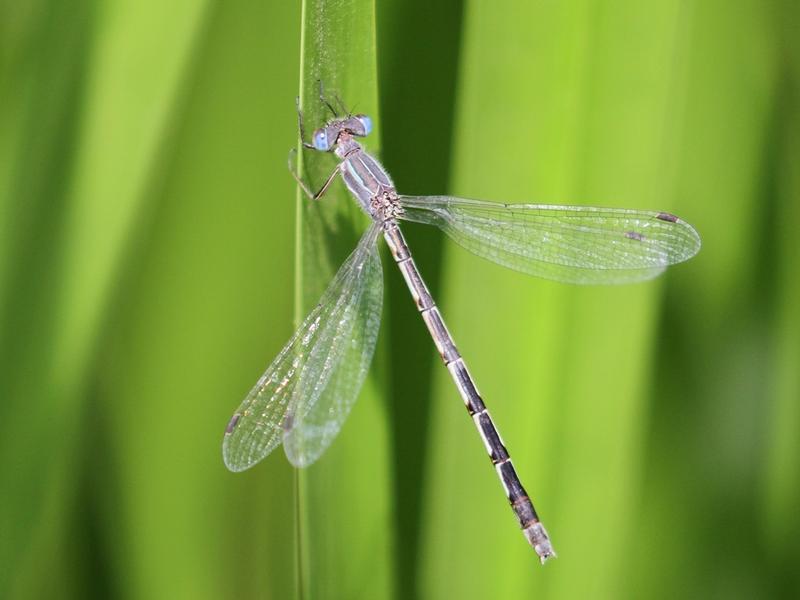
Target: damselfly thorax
<point x="367" y="180"/>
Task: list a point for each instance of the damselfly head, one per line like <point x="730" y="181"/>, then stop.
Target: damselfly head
<point x="325" y="138"/>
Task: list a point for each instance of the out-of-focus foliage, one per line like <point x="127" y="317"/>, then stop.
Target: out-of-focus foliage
<point x="150" y="269"/>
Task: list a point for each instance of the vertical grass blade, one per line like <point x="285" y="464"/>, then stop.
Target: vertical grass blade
<point x="782" y="461"/>
<point x="418" y="82"/>
<point x="43" y="62"/>
<point x="344" y="500"/>
<point x="98" y="173"/>
<point x="564" y="370"/>
<point x="204" y="305"/>
<point x="698" y="525"/>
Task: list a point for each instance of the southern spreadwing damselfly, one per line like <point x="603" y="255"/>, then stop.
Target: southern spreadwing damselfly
<point x="305" y="395"/>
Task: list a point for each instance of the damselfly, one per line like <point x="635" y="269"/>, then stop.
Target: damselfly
<point x="304" y="396"/>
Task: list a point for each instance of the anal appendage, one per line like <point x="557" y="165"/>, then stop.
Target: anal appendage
<point x="537" y="537"/>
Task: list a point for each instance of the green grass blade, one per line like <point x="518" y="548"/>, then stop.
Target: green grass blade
<point x="564" y="370"/>
<point x="41" y="94"/>
<point x="782" y="460"/>
<point x="781" y="489"/>
<point x="344" y="500"/>
<point x="205" y="304"/>
<point x="704" y="444"/>
<point x="88" y="201"/>
<point x="418" y="92"/>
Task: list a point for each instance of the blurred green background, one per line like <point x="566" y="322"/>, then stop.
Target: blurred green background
<point x="147" y="276"/>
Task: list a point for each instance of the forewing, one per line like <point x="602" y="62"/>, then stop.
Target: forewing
<point x="300" y="374"/>
<point x="352" y="345"/>
<point x="572" y="244"/>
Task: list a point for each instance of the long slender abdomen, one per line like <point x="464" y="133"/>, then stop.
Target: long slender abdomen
<point x="517" y="496"/>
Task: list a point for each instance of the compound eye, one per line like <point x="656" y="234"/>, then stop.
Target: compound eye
<point x="320" y="140"/>
<point x="366" y="123"/>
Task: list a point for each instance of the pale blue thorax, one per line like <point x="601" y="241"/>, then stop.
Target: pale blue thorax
<point x="365" y="177"/>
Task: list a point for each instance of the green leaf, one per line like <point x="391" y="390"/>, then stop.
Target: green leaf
<point x="344" y="499"/>
<point x="781" y="490"/>
<point x="205" y="304"/>
<point x="84" y="167"/>
<point x="546" y="114"/>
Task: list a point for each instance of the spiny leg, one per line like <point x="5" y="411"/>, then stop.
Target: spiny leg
<point x="293" y="151"/>
<point x="307" y="190"/>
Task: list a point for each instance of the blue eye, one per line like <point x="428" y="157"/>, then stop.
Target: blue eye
<point x="321" y="140"/>
<point x="366" y="122"/>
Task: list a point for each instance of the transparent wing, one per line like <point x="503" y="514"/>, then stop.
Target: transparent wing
<point x="572" y="244"/>
<point x="316" y="363"/>
<point x="318" y="422"/>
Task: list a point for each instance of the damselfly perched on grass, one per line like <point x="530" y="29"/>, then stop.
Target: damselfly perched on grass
<point x="304" y="396"/>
